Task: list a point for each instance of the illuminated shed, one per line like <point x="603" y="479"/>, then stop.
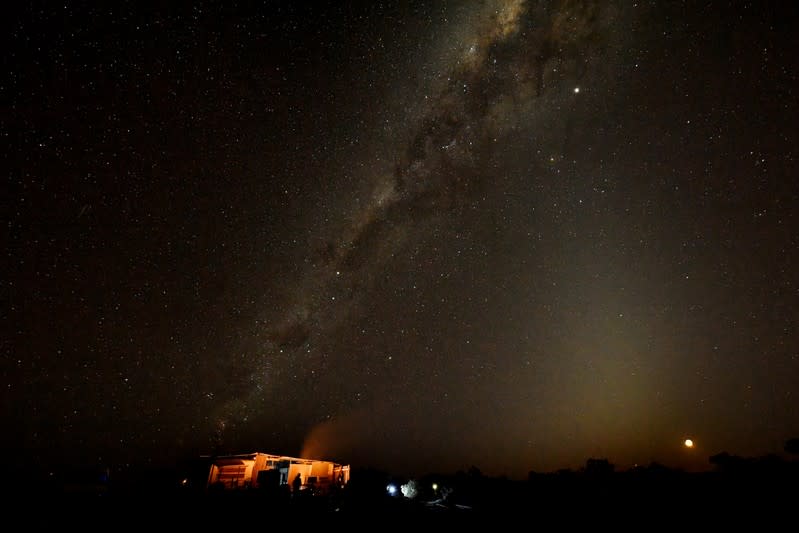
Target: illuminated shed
<point x="261" y="470"/>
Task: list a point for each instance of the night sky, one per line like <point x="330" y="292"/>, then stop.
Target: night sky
<point x="414" y="236"/>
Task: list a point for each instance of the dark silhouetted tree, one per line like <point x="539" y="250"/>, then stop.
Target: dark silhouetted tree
<point x="475" y="472"/>
<point x="724" y="462"/>
<point x="720" y="460"/>
<point x="599" y="467"/>
<point x="792" y="446"/>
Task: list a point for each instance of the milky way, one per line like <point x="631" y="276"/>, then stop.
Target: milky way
<point x="518" y="57"/>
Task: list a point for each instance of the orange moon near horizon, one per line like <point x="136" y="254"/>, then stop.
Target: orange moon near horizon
<point x="689" y="443"/>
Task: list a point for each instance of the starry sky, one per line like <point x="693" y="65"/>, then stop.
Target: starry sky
<point x="414" y="236"/>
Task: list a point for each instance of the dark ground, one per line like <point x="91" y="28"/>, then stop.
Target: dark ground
<point x="764" y="496"/>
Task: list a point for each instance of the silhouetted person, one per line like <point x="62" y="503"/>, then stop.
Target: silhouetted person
<point x="297" y="483"/>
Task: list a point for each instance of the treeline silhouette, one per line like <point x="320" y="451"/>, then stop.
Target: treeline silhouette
<point x="733" y="488"/>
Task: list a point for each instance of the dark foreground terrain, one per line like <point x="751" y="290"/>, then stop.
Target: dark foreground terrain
<point x="652" y="498"/>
